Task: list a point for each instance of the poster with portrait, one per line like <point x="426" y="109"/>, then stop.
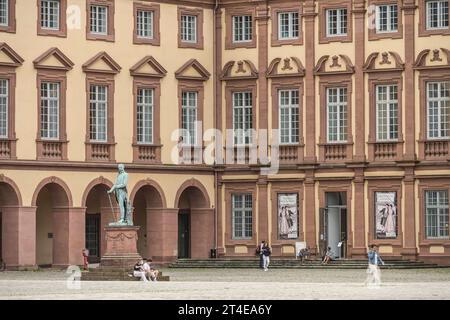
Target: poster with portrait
<point x="386" y="215"/>
<point x="288" y="216"/>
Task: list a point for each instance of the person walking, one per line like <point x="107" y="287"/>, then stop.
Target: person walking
<point x="266" y="255"/>
<point x="373" y="270"/>
<point x="259" y="251"/>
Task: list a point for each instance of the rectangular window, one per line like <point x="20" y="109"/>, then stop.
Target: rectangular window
<point x="145" y="24"/>
<point x="289" y="116"/>
<point x="337" y="114"/>
<point x="189" y="117"/>
<point x="437" y="14"/>
<point x="436" y="214"/>
<point x="242" y="216"/>
<point x="50" y="110"/>
<point x="144" y="116"/>
<point x="188" y="28"/>
<point x="4" y="12"/>
<point x="4" y="108"/>
<point x="387" y="18"/>
<point x="336" y="22"/>
<point x="99" y="20"/>
<point x="242" y="118"/>
<point x="98" y="107"/>
<point x="387" y="112"/>
<point x="288" y="25"/>
<point x="438" y="102"/>
<point x="50" y="14"/>
<point x="242" y="28"/>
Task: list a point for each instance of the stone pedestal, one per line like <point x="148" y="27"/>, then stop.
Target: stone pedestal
<point x="121" y="247"/>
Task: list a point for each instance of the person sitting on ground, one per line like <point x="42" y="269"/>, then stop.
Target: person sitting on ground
<point x="306" y="253"/>
<point x="138" y="271"/>
<point x="329" y="255"/>
<point x="153" y="273"/>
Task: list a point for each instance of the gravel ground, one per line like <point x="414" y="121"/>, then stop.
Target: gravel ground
<point x="234" y="284"/>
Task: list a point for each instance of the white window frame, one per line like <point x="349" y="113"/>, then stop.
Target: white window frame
<point x="189" y="28"/>
<point x="291" y="108"/>
<point x="145" y="115"/>
<point x="246" y="32"/>
<point x="189" y="111"/>
<point x="442" y="104"/>
<point x="246" y="212"/>
<point x="94" y="20"/>
<point x="292" y="32"/>
<point x="339" y="22"/>
<point x="46" y="17"/>
<point x="390" y="105"/>
<point x="441" y="17"/>
<point x="243" y="136"/>
<point x="389" y="18"/>
<point x="97" y="103"/>
<point x="4" y="114"/>
<point x="441" y="213"/>
<point x="51" y="103"/>
<point x="341" y="108"/>
<point x="144" y="21"/>
<point x="6" y="11"/>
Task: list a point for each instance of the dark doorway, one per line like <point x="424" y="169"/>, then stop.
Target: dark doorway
<point x="333" y="224"/>
<point x="184" y="227"/>
<point x="93" y="237"/>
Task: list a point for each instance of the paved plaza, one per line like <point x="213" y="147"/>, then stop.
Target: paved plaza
<point x="234" y="284"/>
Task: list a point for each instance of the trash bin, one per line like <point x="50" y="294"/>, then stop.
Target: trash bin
<point x="213" y="254"/>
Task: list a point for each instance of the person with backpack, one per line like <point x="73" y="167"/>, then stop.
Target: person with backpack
<point x="259" y="252"/>
<point x="266" y="251"/>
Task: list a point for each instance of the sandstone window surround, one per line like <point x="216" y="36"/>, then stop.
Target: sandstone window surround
<point x="100" y="87"/>
<point x="293" y="32"/>
<point x="190" y="28"/>
<point x="239" y="16"/>
<point x="393" y="19"/>
<point x="428" y="186"/>
<point x="8" y="16"/>
<point x="100" y="20"/>
<point x="144" y="150"/>
<point x="52" y="18"/>
<point x="51" y="84"/>
<point x="8" y="76"/>
<point x="430" y="147"/>
<point x="335" y="16"/>
<point x="146" y="23"/>
<point x="441" y="26"/>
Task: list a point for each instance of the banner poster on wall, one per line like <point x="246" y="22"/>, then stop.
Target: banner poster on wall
<point x="288" y="216"/>
<point x="386" y="215"/>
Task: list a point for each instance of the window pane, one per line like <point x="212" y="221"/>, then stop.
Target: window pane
<point x="189" y="117"/>
<point x="436" y="214"/>
<point x="49" y="110"/>
<point x="50" y="14"/>
<point x="145" y="24"/>
<point x="4" y="12"/>
<point x="4" y="105"/>
<point x="242" y="117"/>
<point x="98" y="113"/>
<point x="145" y="116"/>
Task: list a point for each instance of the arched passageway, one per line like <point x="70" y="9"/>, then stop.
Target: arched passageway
<point x="195" y="221"/>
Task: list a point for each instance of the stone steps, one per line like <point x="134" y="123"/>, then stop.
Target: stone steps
<point x="296" y="264"/>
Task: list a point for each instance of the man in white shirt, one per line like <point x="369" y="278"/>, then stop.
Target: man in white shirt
<point x="146" y="268"/>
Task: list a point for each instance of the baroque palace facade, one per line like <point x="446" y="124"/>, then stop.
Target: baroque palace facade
<point x="353" y="93"/>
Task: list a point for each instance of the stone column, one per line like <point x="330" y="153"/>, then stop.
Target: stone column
<point x="309" y="15"/>
<point x="409" y="250"/>
<point x="359" y="12"/>
<point x="310" y="210"/>
<point x="19" y="237"/>
<point x="202" y="235"/>
<point x="409" y="8"/>
<point x="68" y="235"/>
<point x="359" y="236"/>
<point x="263" y="214"/>
<point x="162" y="234"/>
<point x="262" y="17"/>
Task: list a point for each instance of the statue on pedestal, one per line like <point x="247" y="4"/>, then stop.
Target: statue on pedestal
<point x="121" y="193"/>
